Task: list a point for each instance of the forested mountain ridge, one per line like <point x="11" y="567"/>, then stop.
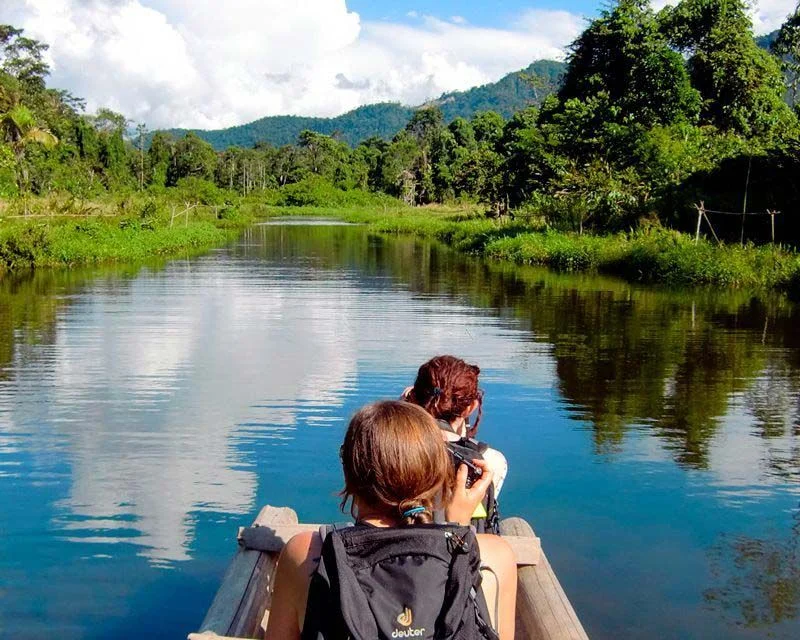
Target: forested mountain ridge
<point x="508" y="95"/>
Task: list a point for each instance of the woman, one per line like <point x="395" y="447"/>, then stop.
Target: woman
<point x="397" y="471"/>
<point x="447" y="388"/>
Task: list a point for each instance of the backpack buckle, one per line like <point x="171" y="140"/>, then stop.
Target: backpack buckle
<point x="456" y="543"/>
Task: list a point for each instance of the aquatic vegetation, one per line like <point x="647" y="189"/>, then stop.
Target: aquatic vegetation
<point x="130" y="230"/>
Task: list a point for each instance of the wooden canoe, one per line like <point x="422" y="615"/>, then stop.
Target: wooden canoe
<point x="241" y="606"/>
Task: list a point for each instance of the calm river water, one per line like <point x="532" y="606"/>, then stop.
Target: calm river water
<point x="653" y="438"/>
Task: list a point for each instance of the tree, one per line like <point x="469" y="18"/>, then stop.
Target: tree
<point x="22" y="58"/>
<point x="740" y="84"/>
<point x="787" y="46"/>
<point x="160" y="154"/>
<point x="19" y="131"/>
<point x="488" y="126"/>
<point x="193" y="158"/>
<point x="399" y="177"/>
<point x="624" y="56"/>
<point x="324" y="154"/>
<point x="141" y="132"/>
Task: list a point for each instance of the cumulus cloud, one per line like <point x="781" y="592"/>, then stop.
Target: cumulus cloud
<point x="201" y="64"/>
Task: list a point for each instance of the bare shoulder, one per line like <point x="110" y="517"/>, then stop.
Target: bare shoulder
<point x="296" y="564"/>
<point x="497" y="553"/>
<point x="302" y="551"/>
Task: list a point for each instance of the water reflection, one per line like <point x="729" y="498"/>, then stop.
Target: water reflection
<point x="761" y="587"/>
<point x="141" y="407"/>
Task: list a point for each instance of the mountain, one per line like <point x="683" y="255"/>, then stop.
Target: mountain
<point x="506" y="96"/>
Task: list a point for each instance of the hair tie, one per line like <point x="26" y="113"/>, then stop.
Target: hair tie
<point x="413" y="511"/>
<point x="437" y="392"/>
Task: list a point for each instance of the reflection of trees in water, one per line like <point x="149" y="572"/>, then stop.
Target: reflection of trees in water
<point x="774" y="404"/>
<point x="30" y="302"/>
<point x="671" y="362"/>
<point x="27" y="314"/>
<point x="759" y="578"/>
<point x="624" y="355"/>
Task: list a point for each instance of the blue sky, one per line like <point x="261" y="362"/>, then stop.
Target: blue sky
<point x="477" y="12"/>
<point x="212" y="64"/>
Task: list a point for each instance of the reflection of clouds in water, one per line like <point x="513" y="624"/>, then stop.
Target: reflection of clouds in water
<point x="152" y="385"/>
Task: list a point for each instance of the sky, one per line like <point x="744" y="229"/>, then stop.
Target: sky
<point x="218" y="63"/>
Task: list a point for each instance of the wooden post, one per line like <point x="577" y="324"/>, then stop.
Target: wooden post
<point x="746" y="188"/>
<point x="772" y="222"/>
<point x="699" y="220"/>
<point x="710" y="226"/>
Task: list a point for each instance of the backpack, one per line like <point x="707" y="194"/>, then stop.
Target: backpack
<point x="471" y="449"/>
<point x="420" y="581"/>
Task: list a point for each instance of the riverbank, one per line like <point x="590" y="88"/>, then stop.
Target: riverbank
<point x="65" y="234"/>
<point x="653" y="255"/>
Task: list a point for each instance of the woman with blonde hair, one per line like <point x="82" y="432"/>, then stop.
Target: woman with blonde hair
<point x="396" y="574"/>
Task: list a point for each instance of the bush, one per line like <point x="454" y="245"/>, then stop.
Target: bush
<point x="317" y="192"/>
<point x="22" y="248"/>
<point x="199" y="190"/>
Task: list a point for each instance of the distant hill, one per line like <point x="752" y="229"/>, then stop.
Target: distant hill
<point x="506" y="96"/>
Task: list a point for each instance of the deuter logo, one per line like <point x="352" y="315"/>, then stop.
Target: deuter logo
<point x="408" y="633"/>
<point x="405" y="619"/>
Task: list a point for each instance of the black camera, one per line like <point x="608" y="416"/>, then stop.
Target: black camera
<point x="474" y="472"/>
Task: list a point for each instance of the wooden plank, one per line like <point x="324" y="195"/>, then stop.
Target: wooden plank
<point x="527" y="549"/>
<point x="250" y="619"/>
<point x="226" y="611"/>
<point x="543" y="609"/>
<point x="226" y="603"/>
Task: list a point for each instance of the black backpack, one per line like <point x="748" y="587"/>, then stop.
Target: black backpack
<point x="420" y="581"/>
<point x="470" y="449"/>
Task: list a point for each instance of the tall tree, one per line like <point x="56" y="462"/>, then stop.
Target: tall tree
<point x="787" y="46"/>
<point x="741" y="85"/>
<point x="193" y="158"/>
<point x="23" y="58"/>
<point x="624" y="56"/>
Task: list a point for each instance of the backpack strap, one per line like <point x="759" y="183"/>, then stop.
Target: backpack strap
<point x="326" y="529"/>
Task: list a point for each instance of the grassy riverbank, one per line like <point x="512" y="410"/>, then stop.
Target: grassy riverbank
<point x="64" y="233"/>
<point x="652" y="255"/>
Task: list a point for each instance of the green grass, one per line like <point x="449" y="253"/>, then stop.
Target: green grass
<point x="654" y="255"/>
<point x="139" y="230"/>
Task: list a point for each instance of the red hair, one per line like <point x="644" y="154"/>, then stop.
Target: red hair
<point x="445" y="387"/>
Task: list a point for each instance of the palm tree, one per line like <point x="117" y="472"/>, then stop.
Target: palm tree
<point x="18" y="129"/>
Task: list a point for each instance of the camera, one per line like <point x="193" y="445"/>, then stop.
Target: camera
<point x="473" y="472"/>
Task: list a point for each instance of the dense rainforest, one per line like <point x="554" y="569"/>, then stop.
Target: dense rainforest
<point x="655" y="112"/>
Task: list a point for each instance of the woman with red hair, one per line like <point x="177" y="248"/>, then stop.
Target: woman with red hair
<point x="447" y="388"/>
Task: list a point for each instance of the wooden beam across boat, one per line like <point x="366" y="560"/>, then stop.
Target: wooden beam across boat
<point x="241" y="606"/>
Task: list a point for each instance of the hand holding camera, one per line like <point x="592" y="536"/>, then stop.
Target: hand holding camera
<point x="468" y="494"/>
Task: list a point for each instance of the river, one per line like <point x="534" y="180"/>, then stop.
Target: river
<point x="146" y="412"/>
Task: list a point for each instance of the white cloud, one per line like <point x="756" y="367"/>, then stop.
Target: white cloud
<point x="769" y="15"/>
<point x="197" y="63"/>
